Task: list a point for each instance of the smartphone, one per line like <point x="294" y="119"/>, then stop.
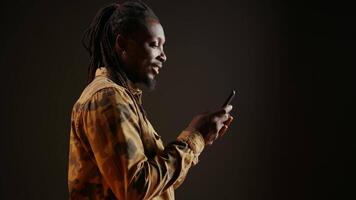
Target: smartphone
<point x="229" y="99"/>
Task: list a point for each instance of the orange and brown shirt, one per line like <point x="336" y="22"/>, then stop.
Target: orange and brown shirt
<point x="114" y="151"/>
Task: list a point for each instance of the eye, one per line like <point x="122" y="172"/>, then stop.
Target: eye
<point x="154" y="44"/>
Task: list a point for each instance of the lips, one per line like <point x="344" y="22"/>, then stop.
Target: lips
<point x="155" y="69"/>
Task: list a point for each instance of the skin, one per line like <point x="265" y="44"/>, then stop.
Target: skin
<point x="143" y="56"/>
<point x="212" y="125"/>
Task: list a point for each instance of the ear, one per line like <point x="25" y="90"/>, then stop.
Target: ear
<point x="120" y="44"/>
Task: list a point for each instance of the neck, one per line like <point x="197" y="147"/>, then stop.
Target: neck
<point x="121" y="78"/>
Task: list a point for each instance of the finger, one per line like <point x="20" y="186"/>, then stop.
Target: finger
<point x="225" y="118"/>
<point x="221" y="120"/>
<point x="223" y="130"/>
<point x="211" y="138"/>
<point x="229" y="120"/>
<point x="228" y="108"/>
<point x="223" y="110"/>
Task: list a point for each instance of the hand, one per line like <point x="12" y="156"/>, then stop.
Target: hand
<point x="212" y="125"/>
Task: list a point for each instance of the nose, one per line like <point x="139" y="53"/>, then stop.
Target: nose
<point x="162" y="57"/>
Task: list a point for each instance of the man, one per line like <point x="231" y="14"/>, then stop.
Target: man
<point x="114" y="151"/>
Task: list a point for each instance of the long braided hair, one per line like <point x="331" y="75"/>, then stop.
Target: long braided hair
<point x="100" y="37"/>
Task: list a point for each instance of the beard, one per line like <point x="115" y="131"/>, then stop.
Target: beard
<point x="149" y="82"/>
<point x="146" y="80"/>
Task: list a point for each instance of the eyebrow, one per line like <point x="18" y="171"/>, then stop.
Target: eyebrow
<point x="161" y="40"/>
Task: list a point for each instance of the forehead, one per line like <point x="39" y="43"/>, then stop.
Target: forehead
<point x="151" y="30"/>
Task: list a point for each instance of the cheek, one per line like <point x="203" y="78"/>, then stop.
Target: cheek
<point x="147" y="58"/>
<point x="142" y="58"/>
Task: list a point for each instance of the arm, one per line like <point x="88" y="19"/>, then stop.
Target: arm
<point x="112" y="130"/>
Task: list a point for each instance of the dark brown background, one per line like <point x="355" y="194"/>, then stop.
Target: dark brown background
<point x="290" y="63"/>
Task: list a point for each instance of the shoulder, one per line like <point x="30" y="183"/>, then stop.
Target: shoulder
<point x="102" y="92"/>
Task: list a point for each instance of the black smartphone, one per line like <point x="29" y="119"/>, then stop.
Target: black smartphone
<point x="229" y="99"/>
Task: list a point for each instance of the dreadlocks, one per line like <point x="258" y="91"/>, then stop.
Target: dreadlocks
<point x="100" y="37"/>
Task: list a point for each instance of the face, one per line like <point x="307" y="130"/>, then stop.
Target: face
<point x="142" y="54"/>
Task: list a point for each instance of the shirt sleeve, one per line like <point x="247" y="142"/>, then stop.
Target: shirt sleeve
<point x="113" y="131"/>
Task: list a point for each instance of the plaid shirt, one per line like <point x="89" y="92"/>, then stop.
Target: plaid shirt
<point x="114" y="151"/>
